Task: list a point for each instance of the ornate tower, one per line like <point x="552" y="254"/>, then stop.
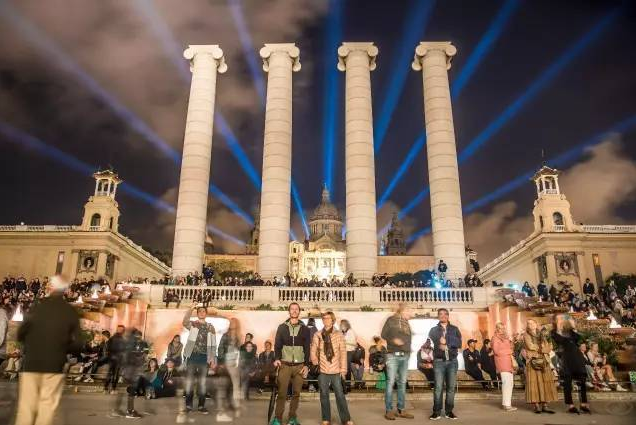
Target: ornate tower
<point x="551" y="208"/>
<point x="326" y="220"/>
<point x="101" y="212"/>
<point x="252" y="247"/>
<point x="395" y="244"/>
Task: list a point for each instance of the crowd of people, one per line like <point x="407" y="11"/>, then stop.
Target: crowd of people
<point x="606" y="302"/>
<point x="427" y="279"/>
<point x="330" y="359"/>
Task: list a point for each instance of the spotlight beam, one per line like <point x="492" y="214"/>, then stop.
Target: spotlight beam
<point x="546" y="77"/>
<point x="332" y="91"/>
<point x="529" y="94"/>
<point x="248" y="47"/>
<point x="416" y="21"/>
<point x="167" y="40"/>
<point x="485" y="44"/>
<point x="561" y="160"/>
<point x="32" y="143"/>
<point x="34" y="36"/>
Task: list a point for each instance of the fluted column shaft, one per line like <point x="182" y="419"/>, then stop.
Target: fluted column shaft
<point x="190" y="228"/>
<point x="433" y="59"/>
<point x="357" y="60"/>
<point x="279" y="60"/>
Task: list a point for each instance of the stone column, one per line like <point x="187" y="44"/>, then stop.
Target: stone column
<point x="433" y="59"/>
<point x="190" y="228"/>
<point x="357" y="60"/>
<point x="279" y="61"/>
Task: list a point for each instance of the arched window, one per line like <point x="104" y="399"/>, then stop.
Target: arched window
<point x="96" y="219"/>
<point x="557" y="218"/>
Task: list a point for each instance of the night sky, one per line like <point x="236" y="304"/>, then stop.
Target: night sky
<point x="103" y="83"/>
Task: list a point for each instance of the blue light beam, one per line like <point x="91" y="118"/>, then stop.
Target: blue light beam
<point x="562" y="160"/>
<point x="248" y="47"/>
<point x="539" y="84"/>
<point x="30" y="142"/>
<point x="416" y="21"/>
<point x="535" y="88"/>
<point x="485" y="44"/>
<point x="65" y="62"/>
<point x="333" y="37"/>
<point x="408" y="161"/>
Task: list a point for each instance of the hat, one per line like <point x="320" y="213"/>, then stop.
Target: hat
<point x="58" y="283"/>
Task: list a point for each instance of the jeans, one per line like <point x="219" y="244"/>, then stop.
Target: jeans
<point x="324" y="381"/>
<point x="195" y="371"/>
<point x="396" y="370"/>
<point x="445" y="371"/>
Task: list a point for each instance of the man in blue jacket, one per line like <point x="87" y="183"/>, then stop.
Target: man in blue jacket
<point x="447" y="340"/>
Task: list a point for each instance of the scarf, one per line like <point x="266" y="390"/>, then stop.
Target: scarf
<point x="327" y="346"/>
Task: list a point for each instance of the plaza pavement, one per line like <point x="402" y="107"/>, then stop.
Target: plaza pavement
<point x="474" y="409"/>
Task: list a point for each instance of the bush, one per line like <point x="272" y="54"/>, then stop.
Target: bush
<point x="267" y="307"/>
<point x="226" y="307"/>
<point x="621" y="281"/>
<point x="367" y="308"/>
<point x="282" y="308"/>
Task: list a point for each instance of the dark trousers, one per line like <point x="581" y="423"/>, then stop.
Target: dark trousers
<point x="445" y="373"/>
<point x="567" y="387"/>
<point x="195" y="371"/>
<point x="477" y="375"/>
<point x="114" y="370"/>
<point x="335" y="381"/>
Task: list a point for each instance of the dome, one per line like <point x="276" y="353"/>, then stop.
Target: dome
<point x="325" y="210"/>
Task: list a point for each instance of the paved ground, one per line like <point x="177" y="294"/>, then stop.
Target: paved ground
<point x="93" y="409"/>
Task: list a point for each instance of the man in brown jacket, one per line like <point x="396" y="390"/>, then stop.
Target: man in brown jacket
<point x="328" y="351"/>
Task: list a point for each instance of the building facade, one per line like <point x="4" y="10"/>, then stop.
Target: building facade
<point x="559" y="249"/>
<point x="94" y="249"/>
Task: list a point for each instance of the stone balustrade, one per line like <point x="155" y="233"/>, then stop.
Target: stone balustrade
<point x="340" y="297"/>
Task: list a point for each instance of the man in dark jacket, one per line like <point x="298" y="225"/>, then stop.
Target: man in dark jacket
<point x="473" y="363"/>
<point x="291" y="351"/>
<point x="447" y="340"/>
<point x="397" y="333"/>
<point x="588" y="287"/>
<point x="48" y="333"/>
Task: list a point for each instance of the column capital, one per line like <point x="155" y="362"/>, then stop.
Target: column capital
<point x="208" y="49"/>
<point x="346" y="48"/>
<point x="289" y="48"/>
<point x="426" y="46"/>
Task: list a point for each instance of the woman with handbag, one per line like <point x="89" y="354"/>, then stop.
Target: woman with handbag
<point x="572" y="361"/>
<point x="540" y="385"/>
<point x="329" y="353"/>
<point x="505" y="364"/>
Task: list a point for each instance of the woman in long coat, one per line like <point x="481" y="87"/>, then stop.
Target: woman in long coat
<point x="540" y="385"/>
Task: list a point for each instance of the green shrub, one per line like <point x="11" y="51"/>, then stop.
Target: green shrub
<point x="367" y="308"/>
<point x="226" y="307"/>
<point x="267" y="307"/>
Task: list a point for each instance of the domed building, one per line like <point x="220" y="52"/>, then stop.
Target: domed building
<point x="323" y="254"/>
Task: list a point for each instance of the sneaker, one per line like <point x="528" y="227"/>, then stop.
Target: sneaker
<point x="89" y="380"/>
<point x="605" y="389"/>
<point x="275" y="421"/>
<point x="390" y="415"/>
<point x="509" y="409"/>
<point x="77" y="378"/>
<point x="260" y="391"/>
<point x="589" y="384"/>
<point x="621" y="389"/>
<point x="203" y="410"/>
<point x="224" y="417"/>
<point x="451" y="415"/>
<point x="435" y="417"/>
<point x="132" y="414"/>
<point x="293" y="421"/>
<point x="404" y="415"/>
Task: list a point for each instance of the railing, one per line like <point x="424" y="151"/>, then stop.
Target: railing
<point x="424" y="296"/>
<point x="550" y="191"/>
<point x="355" y="297"/>
<point x="94" y="228"/>
<point x="559" y="228"/>
<point x="38" y="228"/>
<point x="191" y="293"/>
<point x="608" y="228"/>
<point x="317" y="295"/>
